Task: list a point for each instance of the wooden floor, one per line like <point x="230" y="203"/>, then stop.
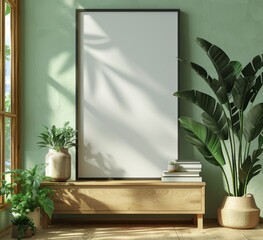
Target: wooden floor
<point x="144" y="232"/>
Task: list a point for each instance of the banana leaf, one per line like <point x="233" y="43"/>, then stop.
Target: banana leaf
<point x="249" y="169"/>
<point x="251" y="69"/>
<point x="231" y="73"/>
<point x="260" y="140"/>
<point x="218" y="88"/>
<point x="227" y="71"/>
<point x="217" y="56"/>
<point x="214" y="116"/>
<point x="235" y="119"/>
<point x="247" y="172"/>
<point x="253" y="124"/>
<point x="240" y="92"/>
<point x="257" y="153"/>
<point x="251" y="95"/>
<point x="204" y="140"/>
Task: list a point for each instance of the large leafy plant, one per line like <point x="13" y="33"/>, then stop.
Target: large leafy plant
<point x="25" y="193"/>
<point x="231" y="132"/>
<point x="58" y="138"/>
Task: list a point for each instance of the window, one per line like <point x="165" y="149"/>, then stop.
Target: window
<point x="9" y="80"/>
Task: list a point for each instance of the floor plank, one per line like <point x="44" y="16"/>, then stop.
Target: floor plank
<point x="255" y="234"/>
<point x="224" y="234"/>
<point x="129" y="233"/>
<point x="86" y="231"/>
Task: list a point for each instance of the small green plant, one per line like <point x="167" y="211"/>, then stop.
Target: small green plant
<point x="23" y="224"/>
<point x="173" y="162"/>
<point x="172" y="165"/>
<point x="58" y="138"/>
<point x="30" y="194"/>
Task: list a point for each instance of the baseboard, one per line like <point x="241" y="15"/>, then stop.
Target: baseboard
<point x="5" y="231"/>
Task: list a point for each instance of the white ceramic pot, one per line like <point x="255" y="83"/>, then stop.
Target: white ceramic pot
<point x="172" y="167"/>
<point x="239" y="212"/>
<point x="58" y="165"/>
<point x="35" y="216"/>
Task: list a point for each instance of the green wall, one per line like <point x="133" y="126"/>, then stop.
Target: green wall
<point x="48" y="65"/>
<point x="4" y="219"/>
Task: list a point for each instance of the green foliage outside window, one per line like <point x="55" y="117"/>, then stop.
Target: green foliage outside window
<point x="7" y="105"/>
<point x="7" y="48"/>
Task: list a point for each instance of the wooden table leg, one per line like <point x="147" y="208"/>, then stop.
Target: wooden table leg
<point x="45" y="220"/>
<point x="199" y="221"/>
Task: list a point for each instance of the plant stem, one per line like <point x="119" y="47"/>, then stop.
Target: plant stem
<point x="240" y="138"/>
<point x="248" y="149"/>
<point x="226" y="180"/>
<point x="228" y="159"/>
<point x="232" y="148"/>
<point x="241" y="116"/>
<point x="235" y="178"/>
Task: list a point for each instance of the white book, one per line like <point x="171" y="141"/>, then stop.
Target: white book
<point x="189" y="162"/>
<point x="183" y="169"/>
<point x="182" y="179"/>
<point x="188" y="169"/>
<point x="190" y="165"/>
<point x="182" y="174"/>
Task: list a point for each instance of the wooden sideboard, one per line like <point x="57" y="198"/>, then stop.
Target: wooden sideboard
<point x="129" y="197"/>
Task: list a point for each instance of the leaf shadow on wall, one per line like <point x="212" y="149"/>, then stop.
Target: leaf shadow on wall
<point x="98" y="164"/>
<point x="151" y="91"/>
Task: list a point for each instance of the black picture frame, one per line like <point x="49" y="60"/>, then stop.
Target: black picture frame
<point x="101" y="85"/>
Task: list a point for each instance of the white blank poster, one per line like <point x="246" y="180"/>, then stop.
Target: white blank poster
<point x="127" y="74"/>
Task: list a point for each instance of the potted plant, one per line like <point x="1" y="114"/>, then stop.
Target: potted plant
<point x="23" y="227"/>
<point x="24" y="192"/>
<point x="58" y="159"/>
<point x="230" y="135"/>
<point x="172" y="166"/>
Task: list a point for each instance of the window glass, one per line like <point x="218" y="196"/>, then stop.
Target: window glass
<point x="7" y="144"/>
<point x="7" y="57"/>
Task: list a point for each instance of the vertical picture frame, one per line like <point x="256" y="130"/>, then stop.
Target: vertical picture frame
<point x="127" y="72"/>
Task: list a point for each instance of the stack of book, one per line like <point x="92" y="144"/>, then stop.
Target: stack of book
<point x="188" y="171"/>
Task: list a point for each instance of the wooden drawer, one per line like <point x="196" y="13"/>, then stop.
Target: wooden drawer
<point x="132" y="199"/>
